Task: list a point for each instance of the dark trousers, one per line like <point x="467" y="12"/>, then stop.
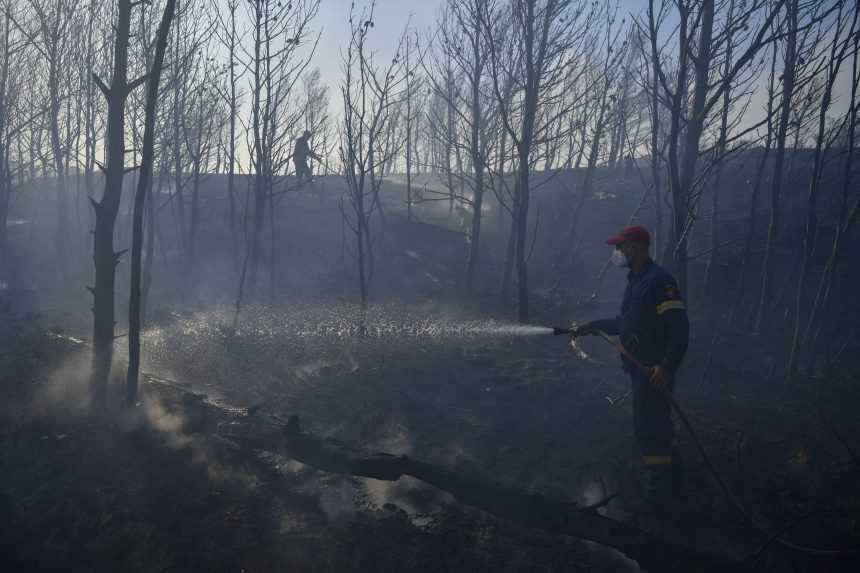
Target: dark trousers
<point x="302" y="170"/>
<point x="652" y="425"/>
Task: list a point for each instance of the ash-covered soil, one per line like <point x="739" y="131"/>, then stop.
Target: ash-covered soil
<point x="432" y="373"/>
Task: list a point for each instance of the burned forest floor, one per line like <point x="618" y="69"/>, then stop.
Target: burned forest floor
<point x="437" y="377"/>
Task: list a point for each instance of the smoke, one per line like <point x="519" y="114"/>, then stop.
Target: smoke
<point x="66" y="391"/>
<point x="170" y="424"/>
<point x="67" y="386"/>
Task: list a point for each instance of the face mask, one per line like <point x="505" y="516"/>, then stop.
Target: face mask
<point x="619" y="260"/>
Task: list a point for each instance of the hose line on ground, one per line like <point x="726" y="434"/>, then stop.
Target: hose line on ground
<point x="772" y="537"/>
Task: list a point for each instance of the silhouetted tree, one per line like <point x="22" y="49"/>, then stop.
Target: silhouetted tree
<point x="106" y="209"/>
<point x="275" y="65"/>
<point x="370" y="95"/>
<point x="143" y="186"/>
<point x="547" y="36"/>
<point x="842" y="40"/>
<point x="50" y="27"/>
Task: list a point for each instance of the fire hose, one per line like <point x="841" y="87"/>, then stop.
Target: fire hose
<point x="682" y="415"/>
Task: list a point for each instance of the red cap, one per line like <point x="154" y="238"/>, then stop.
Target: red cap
<point x="636" y="234"/>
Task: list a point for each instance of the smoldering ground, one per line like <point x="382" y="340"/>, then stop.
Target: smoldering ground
<point x="419" y="372"/>
<point x="467" y="176"/>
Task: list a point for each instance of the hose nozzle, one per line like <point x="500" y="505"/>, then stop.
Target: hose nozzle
<point x="560" y="330"/>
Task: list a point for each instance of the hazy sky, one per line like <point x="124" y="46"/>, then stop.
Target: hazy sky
<point x="390" y="18"/>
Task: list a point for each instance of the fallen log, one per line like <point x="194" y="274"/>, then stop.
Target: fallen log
<point x="652" y="552"/>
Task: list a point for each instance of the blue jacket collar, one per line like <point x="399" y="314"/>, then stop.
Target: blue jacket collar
<point x="642" y="272"/>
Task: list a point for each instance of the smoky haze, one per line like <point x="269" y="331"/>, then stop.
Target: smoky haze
<point x="446" y="286"/>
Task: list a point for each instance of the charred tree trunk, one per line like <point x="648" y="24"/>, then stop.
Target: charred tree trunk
<point x="753" y="210"/>
<point x="90" y="99"/>
<point x="62" y="233"/>
<point x="178" y="123"/>
<point x="5" y="190"/>
<point x="713" y="257"/>
<point x="695" y="126"/>
<point x="178" y="184"/>
<point x="475" y="234"/>
<point x="151" y="221"/>
<point x="193" y="221"/>
<point x="653" y="553"/>
<point x="655" y="179"/>
<point x="477" y="157"/>
<point x="259" y="125"/>
<point x="199" y="152"/>
<point x="788" y="81"/>
<point x="522" y="220"/>
<point x="524" y="150"/>
<point x="231" y="172"/>
<point x="653" y="85"/>
<point x="408" y="139"/>
<point x="676" y="103"/>
<point x="847" y="216"/>
<point x="588" y="181"/>
<point x="510" y="250"/>
<point x="839" y="46"/>
<point x="144" y="186"/>
<point x="583" y="131"/>
<point x="273" y="251"/>
<point x="5" y="175"/>
<point x="361" y="233"/>
<point x="619" y="132"/>
<point x="751" y="229"/>
<point x="449" y="140"/>
<point x="500" y="170"/>
<point x="106" y="211"/>
<point x="259" y="211"/>
<point x="366" y="92"/>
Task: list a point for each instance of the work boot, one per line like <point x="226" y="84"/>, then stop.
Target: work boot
<point x="633" y="495"/>
<point x="645" y="506"/>
<point x="653" y="492"/>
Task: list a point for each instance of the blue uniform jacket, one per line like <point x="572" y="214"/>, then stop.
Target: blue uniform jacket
<point x="653" y="324"/>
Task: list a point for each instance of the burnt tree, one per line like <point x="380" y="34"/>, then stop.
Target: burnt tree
<point x="106" y="209"/>
<point x="143" y="189"/>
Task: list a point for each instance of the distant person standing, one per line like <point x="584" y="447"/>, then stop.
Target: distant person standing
<point x="300" y="157"/>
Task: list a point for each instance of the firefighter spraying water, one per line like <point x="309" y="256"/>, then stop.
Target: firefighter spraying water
<point x="653" y="333"/>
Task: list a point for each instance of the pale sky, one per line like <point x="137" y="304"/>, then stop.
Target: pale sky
<point x="391" y="17"/>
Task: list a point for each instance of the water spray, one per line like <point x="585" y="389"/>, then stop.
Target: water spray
<point x="276" y="330"/>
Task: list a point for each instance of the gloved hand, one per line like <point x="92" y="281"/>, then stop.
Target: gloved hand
<point x="661" y="377"/>
<point x="584" y="329"/>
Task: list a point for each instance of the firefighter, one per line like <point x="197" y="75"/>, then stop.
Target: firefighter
<point x="301" y="152"/>
<point x="653" y="327"/>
